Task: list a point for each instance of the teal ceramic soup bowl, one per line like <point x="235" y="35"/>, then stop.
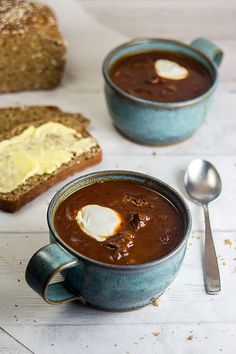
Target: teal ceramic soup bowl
<point x="159" y="123"/>
<point x="104" y="286"/>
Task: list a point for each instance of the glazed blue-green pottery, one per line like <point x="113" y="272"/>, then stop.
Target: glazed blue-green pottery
<point x="105" y="286"/>
<point x="160" y="123"/>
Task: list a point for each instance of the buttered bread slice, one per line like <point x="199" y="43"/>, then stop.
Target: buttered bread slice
<point x="37" y="153"/>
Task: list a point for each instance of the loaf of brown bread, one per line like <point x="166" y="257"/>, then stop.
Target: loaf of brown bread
<point x="32" y="50"/>
<point x="14" y="122"/>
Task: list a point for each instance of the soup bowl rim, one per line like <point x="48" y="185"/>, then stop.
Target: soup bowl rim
<point x="156" y="104"/>
<point x="106" y="173"/>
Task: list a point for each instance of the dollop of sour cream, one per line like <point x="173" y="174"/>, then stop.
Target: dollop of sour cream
<point x="170" y="70"/>
<point x="99" y="222"/>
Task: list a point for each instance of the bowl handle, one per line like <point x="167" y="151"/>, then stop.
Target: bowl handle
<point x="42" y="268"/>
<point x="209" y="49"/>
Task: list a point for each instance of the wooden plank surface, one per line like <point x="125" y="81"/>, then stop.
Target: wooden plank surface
<point x="10" y="345"/>
<point x="20" y="306"/>
<point x="92" y="28"/>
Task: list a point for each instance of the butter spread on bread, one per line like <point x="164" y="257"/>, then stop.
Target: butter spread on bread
<point x="37" y="151"/>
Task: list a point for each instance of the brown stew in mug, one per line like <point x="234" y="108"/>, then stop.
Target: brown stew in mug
<point x="161" y="76"/>
<point x="119" y="223"/>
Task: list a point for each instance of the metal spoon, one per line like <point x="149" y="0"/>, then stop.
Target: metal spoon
<point x="203" y="184"/>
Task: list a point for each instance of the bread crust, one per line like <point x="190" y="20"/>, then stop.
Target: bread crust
<point x="11" y="117"/>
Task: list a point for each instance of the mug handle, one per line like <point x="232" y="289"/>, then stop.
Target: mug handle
<point x="41" y="269"/>
<point x="209" y="49"/>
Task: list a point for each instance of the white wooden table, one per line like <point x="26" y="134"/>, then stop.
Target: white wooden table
<point x="27" y="323"/>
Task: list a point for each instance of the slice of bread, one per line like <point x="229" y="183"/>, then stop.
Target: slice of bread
<point x="13" y="121"/>
<point x="32" y="49"/>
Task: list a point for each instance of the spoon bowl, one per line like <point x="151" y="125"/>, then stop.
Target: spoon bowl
<point x="202" y="181"/>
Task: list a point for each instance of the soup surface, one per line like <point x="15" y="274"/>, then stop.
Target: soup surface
<point x="138" y="76"/>
<point x="148" y="227"/>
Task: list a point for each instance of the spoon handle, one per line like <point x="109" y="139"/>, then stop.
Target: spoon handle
<point x="211" y="269"/>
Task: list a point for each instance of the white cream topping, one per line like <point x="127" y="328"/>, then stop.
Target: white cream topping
<point x="170" y="70"/>
<point x="98" y="222"/>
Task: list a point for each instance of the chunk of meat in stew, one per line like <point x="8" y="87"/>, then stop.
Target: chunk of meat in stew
<point x="119" y="244"/>
<point x="138" y="201"/>
<point x="138" y="220"/>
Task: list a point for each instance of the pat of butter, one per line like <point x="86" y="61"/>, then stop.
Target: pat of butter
<point x="37" y="151"/>
<point x="170" y="70"/>
<point x="98" y="222"/>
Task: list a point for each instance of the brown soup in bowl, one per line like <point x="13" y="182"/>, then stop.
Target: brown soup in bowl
<point x="161" y="76"/>
<point x="118" y="222"/>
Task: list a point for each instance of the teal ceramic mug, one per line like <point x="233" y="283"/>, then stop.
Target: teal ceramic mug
<point x="160" y="123"/>
<point x="105" y="286"/>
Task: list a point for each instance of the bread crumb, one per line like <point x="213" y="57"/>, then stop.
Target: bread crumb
<point x="190" y="337"/>
<point x="156" y="302"/>
<point x="228" y="242"/>
<point x="156" y="334"/>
